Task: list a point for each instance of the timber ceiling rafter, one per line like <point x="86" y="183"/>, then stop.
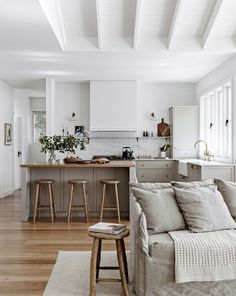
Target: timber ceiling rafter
<point x="88" y="25"/>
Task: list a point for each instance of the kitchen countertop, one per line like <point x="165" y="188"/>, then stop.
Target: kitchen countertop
<point x="111" y="164"/>
<point x="201" y="162"/>
<point x="149" y="159"/>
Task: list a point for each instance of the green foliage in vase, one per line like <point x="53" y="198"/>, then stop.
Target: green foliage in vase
<point x="70" y="143"/>
<point x="53" y="143"/>
<point x="67" y="144"/>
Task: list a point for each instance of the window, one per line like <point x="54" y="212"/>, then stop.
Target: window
<point x="38" y="124"/>
<point x="216" y="121"/>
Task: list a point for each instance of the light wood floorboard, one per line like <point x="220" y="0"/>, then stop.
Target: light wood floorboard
<point x="28" y="251"/>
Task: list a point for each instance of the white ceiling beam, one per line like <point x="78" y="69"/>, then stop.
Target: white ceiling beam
<point x="53" y="13"/>
<point x="211" y="22"/>
<point x="175" y="22"/>
<point x="99" y="20"/>
<point x="137" y="23"/>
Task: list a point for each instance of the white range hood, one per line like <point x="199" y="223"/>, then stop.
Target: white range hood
<point x="113" y="105"/>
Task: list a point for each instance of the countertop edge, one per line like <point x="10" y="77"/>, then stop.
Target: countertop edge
<point x="111" y="164"/>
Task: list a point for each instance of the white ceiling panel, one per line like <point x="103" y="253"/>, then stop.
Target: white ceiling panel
<point x="22" y="24"/>
<point x="195" y="16"/>
<point x="226" y="24"/>
<point x="79" y="17"/>
<point x="156" y="17"/>
<point x="173" y="40"/>
<point x="117" y="17"/>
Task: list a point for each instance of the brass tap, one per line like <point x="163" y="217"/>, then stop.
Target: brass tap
<point x="207" y="155"/>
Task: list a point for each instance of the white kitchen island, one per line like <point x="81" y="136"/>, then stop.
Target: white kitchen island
<point x="61" y="173"/>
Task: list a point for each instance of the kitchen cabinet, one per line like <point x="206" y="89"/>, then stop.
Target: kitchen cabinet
<point x="113" y="106"/>
<point x="184" y="131"/>
<point x="220" y="172"/>
<point x="194" y="173"/>
<point x="154" y="170"/>
<point x="206" y="170"/>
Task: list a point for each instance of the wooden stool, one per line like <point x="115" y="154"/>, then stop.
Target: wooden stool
<point x="51" y="207"/>
<point x="96" y="256"/>
<point x="110" y="208"/>
<point x="73" y="183"/>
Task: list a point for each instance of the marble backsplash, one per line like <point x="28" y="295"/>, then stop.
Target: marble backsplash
<point x="113" y="146"/>
<point x="108" y="146"/>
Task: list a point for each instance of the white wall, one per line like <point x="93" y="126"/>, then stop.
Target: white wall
<point x="70" y="97"/>
<point x="34" y="148"/>
<point x="221" y="74"/>
<point x="6" y="152"/>
<point x="37" y="103"/>
<point x="22" y="108"/>
<point x="157" y="98"/>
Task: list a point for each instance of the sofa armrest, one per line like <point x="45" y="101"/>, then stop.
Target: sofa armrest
<point x="139" y="234"/>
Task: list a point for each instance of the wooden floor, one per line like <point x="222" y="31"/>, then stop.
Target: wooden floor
<point x="28" y="251"/>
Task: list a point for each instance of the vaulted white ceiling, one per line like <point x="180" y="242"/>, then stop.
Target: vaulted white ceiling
<point x="167" y="40"/>
<point x="128" y="24"/>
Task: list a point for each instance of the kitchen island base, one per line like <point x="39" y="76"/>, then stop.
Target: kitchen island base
<point x="122" y="170"/>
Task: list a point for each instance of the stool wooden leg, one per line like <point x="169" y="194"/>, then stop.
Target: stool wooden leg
<point x="53" y="200"/>
<point x="50" y="201"/>
<point x="36" y="202"/>
<point x="93" y="265"/>
<point x="122" y="268"/>
<point x="103" y="200"/>
<point x="85" y="202"/>
<point x="98" y="259"/>
<point x="117" y="202"/>
<point x="70" y="202"/>
<point x="125" y="259"/>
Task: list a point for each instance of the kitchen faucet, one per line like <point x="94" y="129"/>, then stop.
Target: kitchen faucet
<point x="207" y="155"/>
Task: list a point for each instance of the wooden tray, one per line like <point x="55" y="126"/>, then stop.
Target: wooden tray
<point x="72" y="160"/>
<point x="83" y="161"/>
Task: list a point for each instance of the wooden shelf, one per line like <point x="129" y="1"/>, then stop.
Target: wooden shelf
<point x="119" y="137"/>
<point x="124" y="137"/>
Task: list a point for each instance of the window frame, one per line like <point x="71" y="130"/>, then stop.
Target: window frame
<point x="216" y="106"/>
<point x="32" y="123"/>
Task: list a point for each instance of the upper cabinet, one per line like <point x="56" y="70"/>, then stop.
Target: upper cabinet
<point x="113" y="106"/>
<point x="184" y="131"/>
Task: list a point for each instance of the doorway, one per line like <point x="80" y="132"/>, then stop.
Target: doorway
<point x="17" y="134"/>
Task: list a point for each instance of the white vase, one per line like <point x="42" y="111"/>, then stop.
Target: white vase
<point x="52" y="157"/>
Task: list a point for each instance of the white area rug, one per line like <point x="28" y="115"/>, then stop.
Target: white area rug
<point x="70" y="275"/>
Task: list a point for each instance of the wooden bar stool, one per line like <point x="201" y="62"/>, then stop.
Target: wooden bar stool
<point x="73" y="183"/>
<point x="110" y="208"/>
<point x="96" y="256"/>
<point x="51" y="207"/>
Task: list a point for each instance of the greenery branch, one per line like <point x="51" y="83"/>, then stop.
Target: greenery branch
<point x="67" y="144"/>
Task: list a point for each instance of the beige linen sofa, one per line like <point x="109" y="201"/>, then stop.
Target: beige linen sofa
<point x="153" y="263"/>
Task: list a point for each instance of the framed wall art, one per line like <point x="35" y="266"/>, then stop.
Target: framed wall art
<point x="79" y="130"/>
<point x="7" y="133"/>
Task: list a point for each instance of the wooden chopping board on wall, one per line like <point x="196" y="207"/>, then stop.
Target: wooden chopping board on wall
<point x="163" y="129"/>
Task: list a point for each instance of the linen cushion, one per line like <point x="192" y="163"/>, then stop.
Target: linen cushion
<point x="150" y="186"/>
<point x="228" y="191"/>
<point x="203" y="183"/>
<point x="161" y="209"/>
<point x="204" y="208"/>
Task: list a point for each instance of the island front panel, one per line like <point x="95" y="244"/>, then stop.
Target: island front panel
<point x="61" y="175"/>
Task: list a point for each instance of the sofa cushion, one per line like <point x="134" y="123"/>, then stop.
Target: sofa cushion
<point x="203" y="183"/>
<point x="160" y="208"/>
<point x="204" y="208"/>
<point x="228" y="191"/>
<point x="150" y="186"/>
